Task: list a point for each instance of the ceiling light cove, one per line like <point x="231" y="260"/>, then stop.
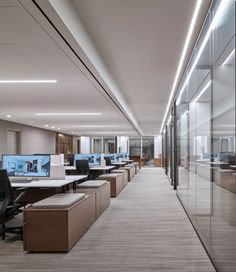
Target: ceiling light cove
<point x="182" y="58"/>
<point x="95" y="126"/>
<point x="33" y="81"/>
<point x="68" y="114"/>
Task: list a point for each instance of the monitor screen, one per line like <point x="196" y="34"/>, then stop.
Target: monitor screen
<point x="27" y="165"/>
<point x="111" y="155"/>
<point x="92" y="158"/>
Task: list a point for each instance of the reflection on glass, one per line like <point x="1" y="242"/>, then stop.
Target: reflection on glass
<point x="148" y="150"/>
<point x="109" y="145"/>
<point x="97" y="145"/>
<point x="135" y="146"/>
<point x="206" y="139"/>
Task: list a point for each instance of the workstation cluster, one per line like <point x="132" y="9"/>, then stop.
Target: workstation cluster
<point x="45" y="191"/>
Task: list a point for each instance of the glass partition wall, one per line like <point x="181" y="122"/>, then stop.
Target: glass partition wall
<point x="144" y="147"/>
<point x="205" y="120"/>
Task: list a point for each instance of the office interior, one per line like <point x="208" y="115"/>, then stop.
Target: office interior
<point x="102" y="102"/>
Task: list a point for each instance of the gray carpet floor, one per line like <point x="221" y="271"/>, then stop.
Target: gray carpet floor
<point x="144" y="229"/>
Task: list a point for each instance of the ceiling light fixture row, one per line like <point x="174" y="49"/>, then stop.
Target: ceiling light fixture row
<point x="68" y="114"/>
<point x="182" y="58"/>
<point x="220" y="11"/>
<point x="33" y="81"/>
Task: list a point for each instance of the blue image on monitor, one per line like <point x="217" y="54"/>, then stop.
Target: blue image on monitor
<point x="111" y="155"/>
<point x="97" y="159"/>
<point x="27" y="165"/>
<point x="93" y="159"/>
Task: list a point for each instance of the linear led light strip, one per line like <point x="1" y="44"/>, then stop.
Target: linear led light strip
<point x="27" y="81"/>
<point x="229" y="57"/>
<point x="168" y="122"/>
<point x="183" y="55"/>
<point x="68" y="113"/>
<point x="218" y="15"/>
<point x="202" y="91"/>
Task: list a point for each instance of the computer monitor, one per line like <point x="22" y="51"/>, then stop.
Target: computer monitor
<point x="110" y="155"/>
<point x="26" y="165"/>
<point x="93" y="159"/>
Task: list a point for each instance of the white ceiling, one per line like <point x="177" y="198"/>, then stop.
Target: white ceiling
<point x="139" y="41"/>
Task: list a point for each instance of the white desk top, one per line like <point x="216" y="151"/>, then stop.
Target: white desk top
<point x="70" y="168"/>
<point x="75" y="177"/>
<point x="226" y="170"/>
<point x="218" y="163"/>
<point x="119" y="163"/>
<point x="127" y="160"/>
<point x="233" y="166"/>
<point x="203" y="160"/>
<point x="47" y="183"/>
<point x="102" y="167"/>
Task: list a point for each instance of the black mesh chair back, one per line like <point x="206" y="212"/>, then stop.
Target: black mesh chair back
<point x="9" y="205"/>
<point x="82" y="167"/>
<point x="6" y="193"/>
<point x="108" y="161"/>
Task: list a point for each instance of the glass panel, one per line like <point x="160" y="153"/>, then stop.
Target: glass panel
<point x="135" y="146"/>
<point x="206" y="139"/>
<point x="109" y="145"/>
<point x="223" y="221"/>
<point x="97" y="145"/>
<point x="148" y="150"/>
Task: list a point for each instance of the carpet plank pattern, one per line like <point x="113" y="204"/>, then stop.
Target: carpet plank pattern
<point x="144" y="229"/>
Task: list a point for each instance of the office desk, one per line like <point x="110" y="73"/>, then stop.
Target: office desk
<point x="75" y="177"/>
<point x="70" y="168"/>
<point x="101" y="168"/>
<point x="98" y="170"/>
<point x="119" y="163"/>
<point x="218" y="163"/>
<point x="127" y="161"/>
<point x="40" y="189"/>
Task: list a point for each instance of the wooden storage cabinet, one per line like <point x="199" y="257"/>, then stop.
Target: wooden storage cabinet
<point x="58" y="230"/>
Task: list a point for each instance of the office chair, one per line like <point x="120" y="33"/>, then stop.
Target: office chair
<point x="9" y="205"/>
<point x="108" y="161"/>
<point x="82" y="168"/>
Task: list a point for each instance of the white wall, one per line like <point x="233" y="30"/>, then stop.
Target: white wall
<point x="157" y="146"/>
<point x="33" y="140"/>
<point x="122" y="144"/>
<point x="84" y="145"/>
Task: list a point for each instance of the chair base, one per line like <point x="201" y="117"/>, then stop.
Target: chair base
<point x="13" y="230"/>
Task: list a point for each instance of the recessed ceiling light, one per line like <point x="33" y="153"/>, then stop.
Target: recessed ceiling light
<point x="72" y="132"/>
<point x="58" y="129"/>
<point x="46" y="125"/>
<point x="68" y="113"/>
<point x="52" y="127"/>
<point x="76" y="133"/>
<point x="28" y="81"/>
<point x="8" y="116"/>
